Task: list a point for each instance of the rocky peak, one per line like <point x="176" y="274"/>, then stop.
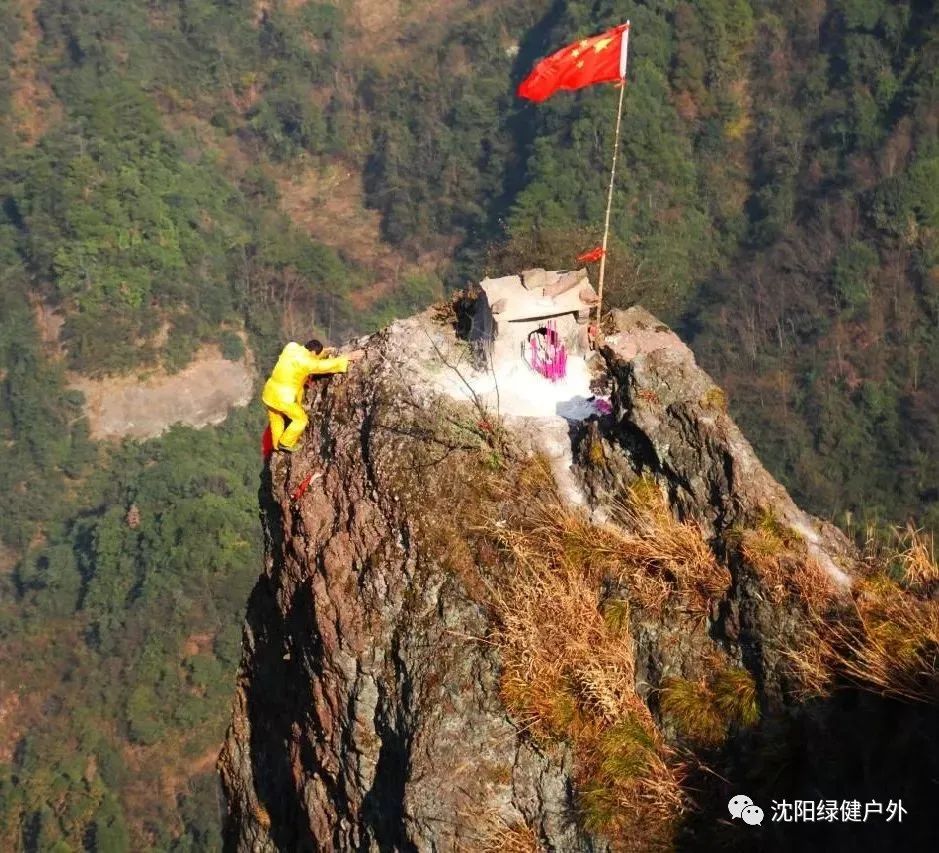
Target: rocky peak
<point x="385" y="697"/>
<point x="677" y="418"/>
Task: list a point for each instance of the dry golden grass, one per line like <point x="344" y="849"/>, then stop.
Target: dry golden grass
<point x="810" y="661"/>
<point x="666" y="549"/>
<point x="616" y="614"/>
<point x="812" y="585"/>
<point x="780" y="558"/>
<point x="560" y="658"/>
<point x="568" y="667"/>
<point x="657" y="558"/>
<point x="261" y="815"/>
<point x="892" y="644"/>
<point x="630" y="784"/>
<point x="775" y="552"/>
<point x="505" y="836"/>
<point x="889" y="641"/>
<point x="551" y="532"/>
<point x="916" y="554"/>
<point x="568" y="660"/>
<point x="736" y="696"/>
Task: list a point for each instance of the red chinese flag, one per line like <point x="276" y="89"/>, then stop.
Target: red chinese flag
<point x="592" y="255"/>
<point x="598" y="59"/>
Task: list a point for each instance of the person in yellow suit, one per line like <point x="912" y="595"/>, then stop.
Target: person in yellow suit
<point x="283" y="391"/>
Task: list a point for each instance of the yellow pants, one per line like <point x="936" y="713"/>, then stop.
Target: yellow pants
<point x="278" y="411"/>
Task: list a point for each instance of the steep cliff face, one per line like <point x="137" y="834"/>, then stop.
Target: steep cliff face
<point x="367" y="714"/>
<point x="373" y="710"/>
<point x="672" y="425"/>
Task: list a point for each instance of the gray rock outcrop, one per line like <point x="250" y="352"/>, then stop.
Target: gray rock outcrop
<point x="367" y="713"/>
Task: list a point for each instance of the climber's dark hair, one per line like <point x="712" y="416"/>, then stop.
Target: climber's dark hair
<point x="314" y="346"/>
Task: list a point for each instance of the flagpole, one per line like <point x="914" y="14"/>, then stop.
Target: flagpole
<point x="609" y="196"/>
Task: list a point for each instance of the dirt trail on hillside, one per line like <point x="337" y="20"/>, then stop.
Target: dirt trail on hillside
<point x="199" y="395"/>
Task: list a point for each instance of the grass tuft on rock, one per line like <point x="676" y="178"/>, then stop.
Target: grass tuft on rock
<point x="702" y="711"/>
<point x="503" y="835"/>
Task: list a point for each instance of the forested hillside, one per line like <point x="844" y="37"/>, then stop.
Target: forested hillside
<point x="174" y="172"/>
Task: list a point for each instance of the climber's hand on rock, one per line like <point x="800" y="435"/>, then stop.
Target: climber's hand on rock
<point x="355" y="355"/>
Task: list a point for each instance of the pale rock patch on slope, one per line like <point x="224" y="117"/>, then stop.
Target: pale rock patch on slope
<point x="199" y="395"/>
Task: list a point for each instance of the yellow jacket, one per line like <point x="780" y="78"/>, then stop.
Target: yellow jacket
<point x="295" y="364"/>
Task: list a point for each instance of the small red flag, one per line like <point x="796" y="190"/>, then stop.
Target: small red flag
<point x="300" y="491"/>
<point x="592" y="255"/>
<point x="598" y="59"/>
